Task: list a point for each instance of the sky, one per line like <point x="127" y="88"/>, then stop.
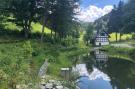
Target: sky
<point x="90" y="10"/>
<point x="98" y="3"/>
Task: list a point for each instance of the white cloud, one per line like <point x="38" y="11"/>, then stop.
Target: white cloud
<point x="92" y="13"/>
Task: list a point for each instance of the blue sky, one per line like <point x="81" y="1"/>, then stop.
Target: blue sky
<point x="98" y="3"/>
<point x="91" y="10"/>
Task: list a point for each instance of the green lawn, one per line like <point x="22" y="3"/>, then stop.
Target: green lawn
<point x="124" y="37"/>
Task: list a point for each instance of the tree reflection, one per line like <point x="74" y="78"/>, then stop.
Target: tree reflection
<point x="120" y="71"/>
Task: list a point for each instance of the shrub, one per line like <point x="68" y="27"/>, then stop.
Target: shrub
<point x="132" y="53"/>
<point x="133" y="36"/>
<point x="28" y="50"/>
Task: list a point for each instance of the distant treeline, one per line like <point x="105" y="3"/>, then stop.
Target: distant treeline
<point x="120" y="20"/>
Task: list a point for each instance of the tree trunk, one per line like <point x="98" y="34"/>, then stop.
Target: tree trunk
<point x="51" y="33"/>
<point x="26" y="29"/>
<point x="116" y="37"/>
<point x="29" y="27"/>
<point x="26" y="34"/>
<point x="42" y="36"/>
<point x="120" y="36"/>
<point x="55" y="34"/>
<point x="43" y="28"/>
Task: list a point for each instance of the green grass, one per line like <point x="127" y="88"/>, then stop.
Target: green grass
<point x="130" y="42"/>
<point x="120" y="52"/>
<point x="20" y="52"/>
<point x="124" y="37"/>
<point x="81" y="43"/>
<point x="36" y="27"/>
<point x="11" y="26"/>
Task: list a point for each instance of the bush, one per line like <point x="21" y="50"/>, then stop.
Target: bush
<point x="133" y="36"/>
<point x="28" y="50"/>
<point x="132" y="53"/>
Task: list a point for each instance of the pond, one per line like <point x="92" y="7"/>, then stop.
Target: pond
<point x="98" y="71"/>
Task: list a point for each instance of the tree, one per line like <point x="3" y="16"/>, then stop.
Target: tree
<point x="89" y="33"/>
<point x="63" y="17"/>
<point x="120" y="17"/>
<point x="2" y="12"/>
<point x="129" y="17"/>
<point x="115" y="23"/>
<point x="24" y="13"/>
<point x="58" y="15"/>
<point x="55" y="14"/>
<point x="46" y="7"/>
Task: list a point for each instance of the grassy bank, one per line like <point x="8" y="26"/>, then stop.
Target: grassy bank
<point x="120" y="52"/>
<point x="20" y="61"/>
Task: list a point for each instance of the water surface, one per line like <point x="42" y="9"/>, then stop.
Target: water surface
<point x="98" y="71"/>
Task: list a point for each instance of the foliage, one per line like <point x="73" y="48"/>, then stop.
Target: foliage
<point x="132" y="53"/>
<point x="62" y="17"/>
<point x="21" y="62"/>
<point x="122" y="18"/>
<point x="129" y="17"/>
<point x="133" y="36"/>
<point x="15" y="64"/>
<point x="89" y="33"/>
<point x="28" y="50"/>
<point x="115" y="20"/>
<point x="115" y="23"/>
<point x="58" y="15"/>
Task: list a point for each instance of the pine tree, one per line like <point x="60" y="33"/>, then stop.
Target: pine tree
<point x="129" y="17"/>
<point x="115" y="23"/>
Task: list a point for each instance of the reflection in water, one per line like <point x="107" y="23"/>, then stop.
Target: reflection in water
<point x="82" y="70"/>
<point x="98" y="74"/>
<point x="94" y="80"/>
<point x="100" y="56"/>
<point x="98" y="71"/>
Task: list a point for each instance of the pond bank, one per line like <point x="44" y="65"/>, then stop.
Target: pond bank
<point x="29" y="56"/>
<point x="100" y="72"/>
<point x="126" y="53"/>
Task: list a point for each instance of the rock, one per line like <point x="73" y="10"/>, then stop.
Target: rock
<point x="43" y="77"/>
<point x="17" y="86"/>
<point x="58" y="83"/>
<point x="49" y="86"/>
<point x="66" y="88"/>
<point x="52" y="81"/>
<point x="59" y="87"/>
<point x="43" y="82"/>
<point x="22" y="86"/>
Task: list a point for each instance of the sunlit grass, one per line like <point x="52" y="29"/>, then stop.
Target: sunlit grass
<point x="81" y="40"/>
<point x="124" y="37"/>
<point x="11" y="26"/>
<point x="37" y="27"/>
